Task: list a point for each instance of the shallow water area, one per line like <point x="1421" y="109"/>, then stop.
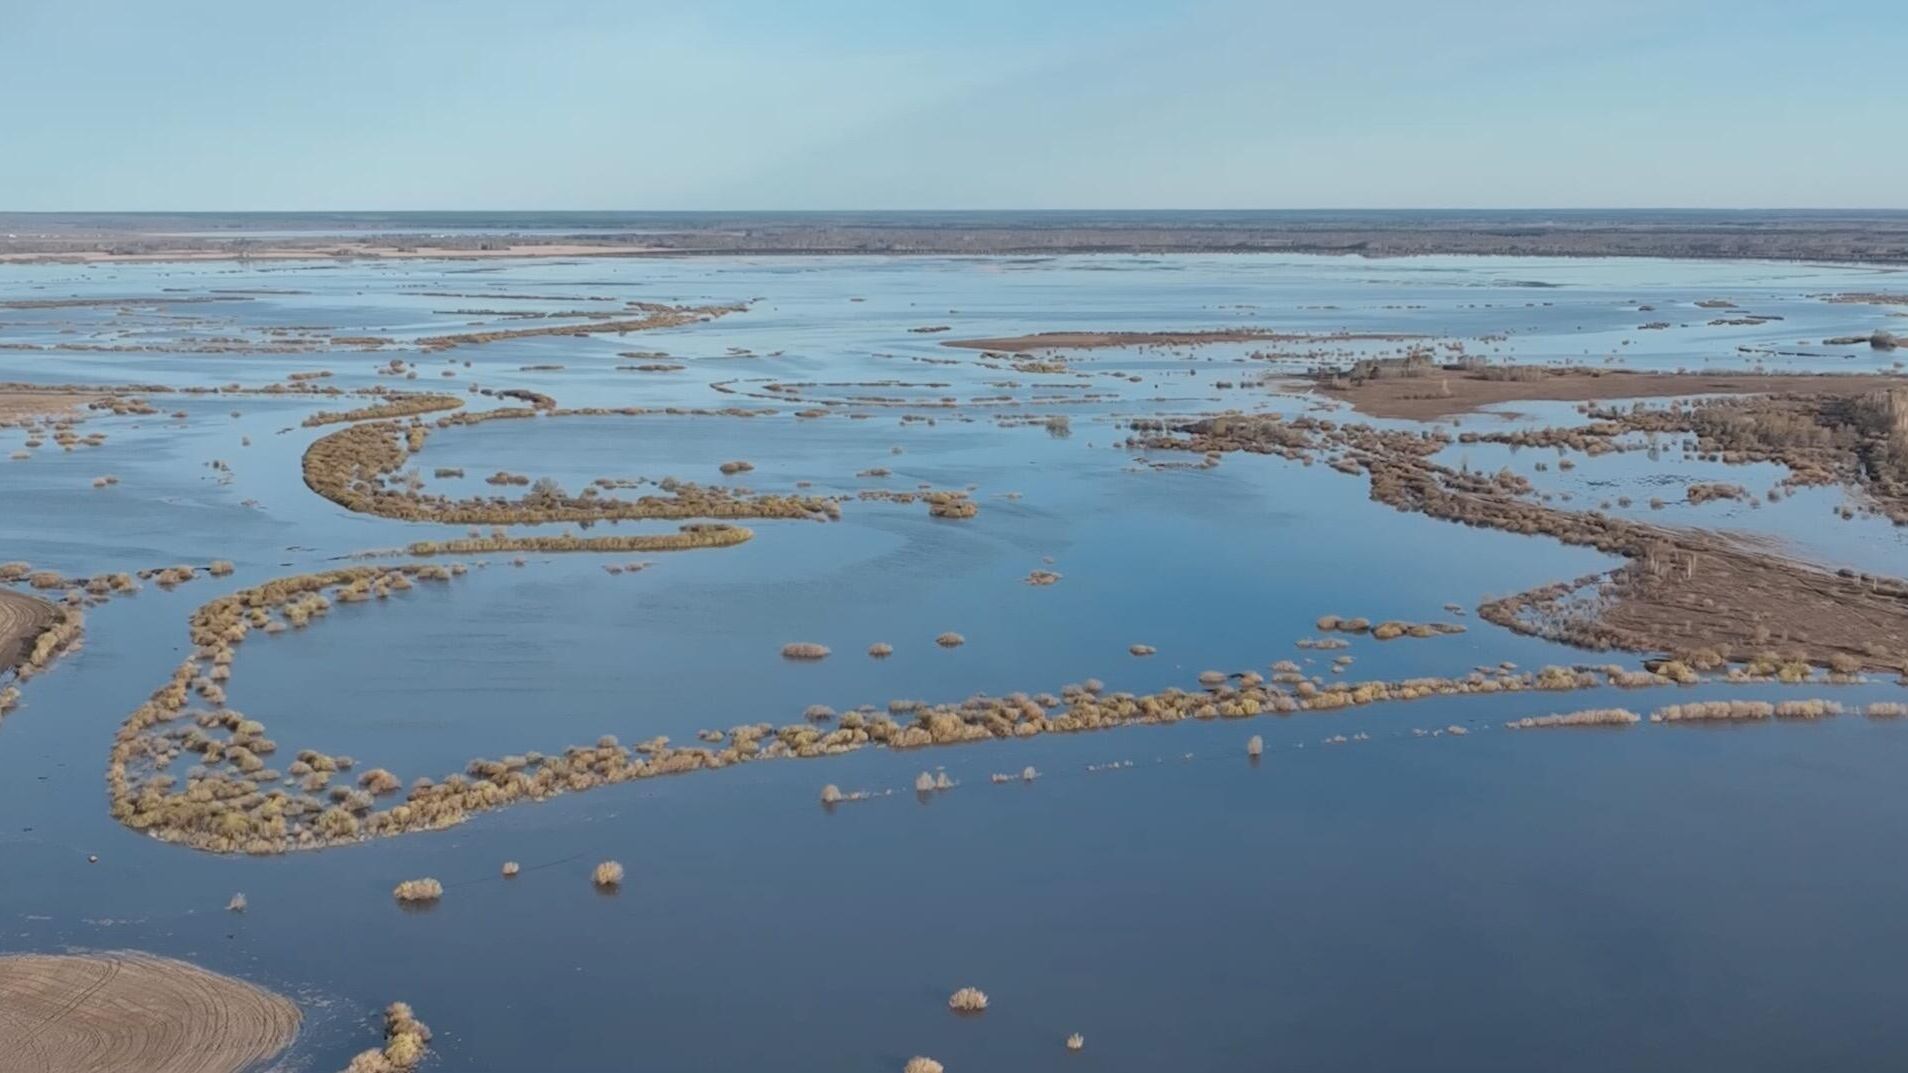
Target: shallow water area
<point x="1406" y="897"/>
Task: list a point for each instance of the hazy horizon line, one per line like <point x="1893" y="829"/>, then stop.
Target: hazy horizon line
<point x="970" y="210"/>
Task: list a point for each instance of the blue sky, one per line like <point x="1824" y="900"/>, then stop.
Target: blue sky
<point x="829" y="104"/>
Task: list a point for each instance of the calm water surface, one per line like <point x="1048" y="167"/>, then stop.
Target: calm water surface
<point x="1652" y="898"/>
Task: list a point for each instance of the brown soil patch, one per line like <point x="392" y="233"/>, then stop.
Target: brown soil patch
<point x="127" y="1011"/>
<point x="22" y="618"/>
<point x="652" y="316"/>
<point x="292" y="252"/>
<point x="18" y="404"/>
<point x="1443" y="394"/>
<point x="1019" y="344"/>
<point x="1696" y="597"/>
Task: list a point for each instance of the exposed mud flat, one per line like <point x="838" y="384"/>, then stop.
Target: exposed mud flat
<point x="22" y="619"/>
<point x="1875" y="236"/>
<point x="18" y="404"/>
<point x="94" y="1013"/>
<point x="1020" y="344"/>
<point x="1443" y="393"/>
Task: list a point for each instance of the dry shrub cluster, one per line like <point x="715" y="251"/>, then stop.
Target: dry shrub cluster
<point x="1682" y="591"/>
<point x="406" y="1039"/>
<point x="694" y="535"/>
<point x="418" y="890"/>
<point x="394" y="405"/>
<point x="1388" y="630"/>
<point x="229" y="803"/>
<point x="654" y="315"/>
<point x="1590" y="717"/>
<point x="354" y="467"/>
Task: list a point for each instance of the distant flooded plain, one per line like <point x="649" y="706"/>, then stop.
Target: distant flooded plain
<point x="1377" y="891"/>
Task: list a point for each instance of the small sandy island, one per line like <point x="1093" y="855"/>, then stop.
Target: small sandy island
<point x="1018" y="344"/>
<point x="22" y="619"/>
<point x="1444" y="393"/>
<point x="382" y="250"/>
<point x="95" y="1013"/>
<point x="15" y="405"/>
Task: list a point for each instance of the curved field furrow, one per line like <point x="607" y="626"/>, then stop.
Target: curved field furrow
<point x="126" y="1011"/>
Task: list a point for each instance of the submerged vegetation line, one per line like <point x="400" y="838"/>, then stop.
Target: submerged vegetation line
<point x="230" y="801"/>
<point x="354" y="468"/>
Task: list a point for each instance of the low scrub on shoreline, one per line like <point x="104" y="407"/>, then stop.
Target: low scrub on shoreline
<point x="695" y="535"/>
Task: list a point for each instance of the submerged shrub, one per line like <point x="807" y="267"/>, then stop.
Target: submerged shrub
<point x="804" y="650"/>
<point x="918" y="1064"/>
<point x="418" y="890"/>
<point x="1587" y="718"/>
<point x="608" y="874"/>
<point x="1076" y="1042"/>
<point x="950" y="639"/>
<point x="881" y="650"/>
<point x="951" y="505"/>
<point x="924" y="783"/>
<point x="406" y="1040"/>
<point x="1255" y="745"/>
<point x="511" y="868"/>
<point x="237" y="904"/>
<point x="967" y="1000"/>
<point x="379" y="781"/>
<point x="831" y="794"/>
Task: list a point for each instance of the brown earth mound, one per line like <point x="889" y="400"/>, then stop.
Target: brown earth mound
<point x="22" y="618"/>
<point x="1442" y="393"/>
<point x="18" y="404"/>
<point x="1017" y="344"/>
<point x="126" y="1011"/>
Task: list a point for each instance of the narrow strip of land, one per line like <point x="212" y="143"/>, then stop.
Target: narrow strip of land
<point x="1443" y="393"/>
<point x="15" y="405"/>
<point x="1020" y="344"/>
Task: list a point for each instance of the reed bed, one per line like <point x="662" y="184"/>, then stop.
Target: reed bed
<point x="354" y="466"/>
<point x="1745" y="711"/>
<point x="405" y="405"/>
<point x="694" y="535"/>
<point x="231" y="804"/>
<point x="1589" y="717"/>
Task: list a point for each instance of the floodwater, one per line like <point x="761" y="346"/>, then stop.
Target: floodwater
<point x="1653" y="898"/>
